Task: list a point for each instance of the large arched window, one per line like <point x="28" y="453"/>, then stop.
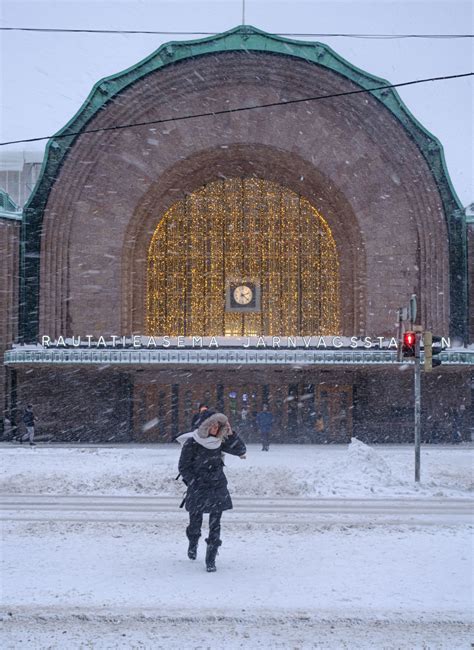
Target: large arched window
<point x="242" y="230"/>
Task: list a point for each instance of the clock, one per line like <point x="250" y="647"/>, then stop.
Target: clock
<point x="243" y="294"/>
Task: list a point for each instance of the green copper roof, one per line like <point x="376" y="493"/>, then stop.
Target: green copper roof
<point x="8" y="208"/>
<point x="247" y="38"/>
<point x="243" y="39"/>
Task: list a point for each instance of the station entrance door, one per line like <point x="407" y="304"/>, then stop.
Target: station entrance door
<point x="303" y="411"/>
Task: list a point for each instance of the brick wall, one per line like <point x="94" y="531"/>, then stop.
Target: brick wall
<point x="76" y="404"/>
<point x="9" y="250"/>
<point x="352" y="159"/>
<point x="108" y="405"/>
<point x="384" y="405"/>
<point x="470" y="278"/>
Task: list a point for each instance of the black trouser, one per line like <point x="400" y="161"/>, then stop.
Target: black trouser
<point x="265" y="438"/>
<point x="193" y="531"/>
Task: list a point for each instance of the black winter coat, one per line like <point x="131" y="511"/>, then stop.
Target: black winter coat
<point x="203" y="472"/>
<point x="29" y="419"/>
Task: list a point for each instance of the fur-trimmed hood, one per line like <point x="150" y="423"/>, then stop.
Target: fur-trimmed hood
<point x="218" y="418"/>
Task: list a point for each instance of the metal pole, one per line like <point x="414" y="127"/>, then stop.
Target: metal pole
<point x="400" y="334"/>
<point x="417" y="410"/>
<point x="413" y="309"/>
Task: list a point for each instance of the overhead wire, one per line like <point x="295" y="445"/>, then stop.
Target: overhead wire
<point x="238" y="109"/>
<point x="188" y="33"/>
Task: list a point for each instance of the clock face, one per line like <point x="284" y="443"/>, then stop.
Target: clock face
<point x="243" y="294"/>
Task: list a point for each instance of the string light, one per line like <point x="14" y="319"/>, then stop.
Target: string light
<point x="238" y="230"/>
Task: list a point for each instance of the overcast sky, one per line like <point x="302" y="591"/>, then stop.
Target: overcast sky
<point x="46" y="77"/>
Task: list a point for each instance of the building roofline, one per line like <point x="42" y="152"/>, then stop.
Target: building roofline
<point x="8" y="208"/>
<point x="10" y="216"/>
<point x="146" y="358"/>
<point x="243" y="39"/>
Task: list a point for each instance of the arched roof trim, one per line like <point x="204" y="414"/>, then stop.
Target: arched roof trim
<point x="251" y="39"/>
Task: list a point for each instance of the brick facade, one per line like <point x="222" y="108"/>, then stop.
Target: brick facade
<point x="470" y="278"/>
<point x="350" y="157"/>
<point x="124" y="406"/>
<point x="76" y="404"/>
<point x="9" y="270"/>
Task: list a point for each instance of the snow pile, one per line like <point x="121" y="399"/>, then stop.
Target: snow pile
<point x="90" y="470"/>
<point x="365" y="465"/>
<point x="356" y="470"/>
<point x="360" y="471"/>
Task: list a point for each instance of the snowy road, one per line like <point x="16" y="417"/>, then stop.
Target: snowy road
<point x="249" y="509"/>
<point x="332" y="547"/>
<point x="130" y="585"/>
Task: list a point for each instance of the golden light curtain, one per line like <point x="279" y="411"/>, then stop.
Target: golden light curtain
<point x="243" y="230"/>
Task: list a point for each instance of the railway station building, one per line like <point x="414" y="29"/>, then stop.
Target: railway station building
<point x="237" y="257"/>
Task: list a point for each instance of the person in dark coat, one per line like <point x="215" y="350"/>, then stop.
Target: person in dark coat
<point x="264" y="424"/>
<point x="199" y="417"/>
<point x="29" y="422"/>
<point x="202" y="469"/>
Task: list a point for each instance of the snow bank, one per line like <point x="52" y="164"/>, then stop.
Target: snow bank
<point x="356" y="470"/>
<point x="362" y="468"/>
<point x="85" y="629"/>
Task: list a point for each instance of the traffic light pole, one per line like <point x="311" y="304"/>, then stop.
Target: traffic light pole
<point x="417" y="383"/>
<point x="411" y="348"/>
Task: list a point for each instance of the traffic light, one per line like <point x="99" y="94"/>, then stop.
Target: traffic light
<point x="428" y="341"/>
<point x="436" y="350"/>
<point x="409" y="344"/>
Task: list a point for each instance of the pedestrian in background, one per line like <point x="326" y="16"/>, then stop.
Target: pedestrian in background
<point x="265" y="424"/>
<point x="29" y="422"/>
<point x="200" y="416"/>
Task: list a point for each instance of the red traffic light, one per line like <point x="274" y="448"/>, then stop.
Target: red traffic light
<point x="409" y="344"/>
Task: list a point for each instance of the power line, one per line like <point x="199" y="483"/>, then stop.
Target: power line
<point x="171" y="33"/>
<point x="239" y="109"/>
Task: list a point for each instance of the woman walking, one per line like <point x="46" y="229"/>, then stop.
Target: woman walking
<point x="201" y="467"/>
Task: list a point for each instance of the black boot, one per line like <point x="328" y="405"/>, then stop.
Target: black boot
<point x="192" y="548"/>
<point x="193" y="544"/>
<point x="212" y="548"/>
<point x="193" y="533"/>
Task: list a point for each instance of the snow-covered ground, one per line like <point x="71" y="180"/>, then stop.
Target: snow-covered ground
<point x="354" y="470"/>
<point x="276" y="586"/>
<point x="307" y="584"/>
